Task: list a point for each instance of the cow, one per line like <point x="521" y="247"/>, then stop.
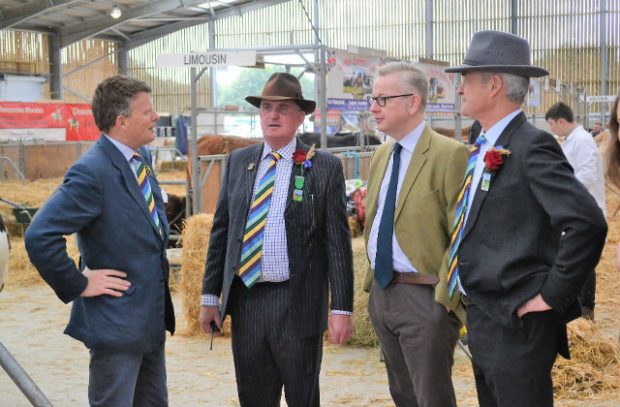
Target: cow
<point x="465" y="133"/>
<point x="4" y="254"/>
<point x="342" y="140"/>
<point x="176" y="214"/>
<point x="212" y="144"/>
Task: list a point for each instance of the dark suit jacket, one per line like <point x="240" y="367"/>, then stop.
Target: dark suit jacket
<point x="319" y="243"/>
<point x="536" y="230"/>
<point x="100" y="201"/>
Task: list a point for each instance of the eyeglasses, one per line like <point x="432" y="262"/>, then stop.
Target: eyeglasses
<point x="382" y="100"/>
<point x="282" y="109"/>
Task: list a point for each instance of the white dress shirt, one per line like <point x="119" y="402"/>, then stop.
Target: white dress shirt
<point x="583" y="155"/>
<point x="400" y="261"/>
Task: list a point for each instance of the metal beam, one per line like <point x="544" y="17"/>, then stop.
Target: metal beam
<point x="100" y="24"/>
<point x="146" y="36"/>
<point x="17" y="15"/>
<point x="429" y="29"/>
<point x="56" y="79"/>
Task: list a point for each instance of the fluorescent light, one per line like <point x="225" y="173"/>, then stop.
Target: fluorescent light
<point x="115" y="13"/>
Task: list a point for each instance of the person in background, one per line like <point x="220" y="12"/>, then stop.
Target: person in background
<point x="598" y="128"/>
<point x="583" y="155"/>
<point x="121" y="300"/>
<point x="279" y="245"/>
<point x="611" y="155"/>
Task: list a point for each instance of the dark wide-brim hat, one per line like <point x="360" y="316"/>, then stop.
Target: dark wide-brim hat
<point x="497" y="51"/>
<point x="283" y="86"/>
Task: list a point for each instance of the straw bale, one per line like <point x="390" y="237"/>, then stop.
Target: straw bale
<point x="195" y="240"/>
<point x="354" y="226"/>
<point x="363" y="333"/>
<point x="594" y="366"/>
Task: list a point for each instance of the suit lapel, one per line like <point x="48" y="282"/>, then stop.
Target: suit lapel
<point x="504" y="141"/>
<point x="379" y="166"/>
<point x="415" y="166"/>
<point x="251" y="169"/>
<point x="295" y="171"/>
<point x="129" y="179"/>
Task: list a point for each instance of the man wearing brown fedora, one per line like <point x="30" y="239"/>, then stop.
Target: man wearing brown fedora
<point x="529" y="233"/>
<point x="279" y="246"/>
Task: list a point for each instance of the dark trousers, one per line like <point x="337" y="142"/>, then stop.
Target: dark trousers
<point x="267" y="356"/>
<point x="512" y="367"/>
<point x="418" y="337"/>
<point x="588" y="291"/>
<point x="122" y="379"/>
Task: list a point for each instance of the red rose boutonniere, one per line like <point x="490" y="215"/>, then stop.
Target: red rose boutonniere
<point x="494" y="158"/>
<point x="302" y="158"/>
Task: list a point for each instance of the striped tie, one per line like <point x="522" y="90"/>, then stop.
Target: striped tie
<point x="252" y="249"/>
<point x="145" y="187"/>
<point x="459" y="217"/>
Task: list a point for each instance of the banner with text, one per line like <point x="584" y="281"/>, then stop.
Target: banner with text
<point x="76" y="119"/>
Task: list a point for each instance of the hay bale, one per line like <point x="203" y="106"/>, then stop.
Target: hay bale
<point x="354" y="226"/>
<point x="195" y="240"/>
<point x="363" y="333"/>
<point x="594" y="366"/>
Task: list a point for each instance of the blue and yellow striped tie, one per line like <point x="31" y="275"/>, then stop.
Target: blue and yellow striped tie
<point x="145" y="187"/>
<point x="459" y="217"/>
<point x="252" y="248"/>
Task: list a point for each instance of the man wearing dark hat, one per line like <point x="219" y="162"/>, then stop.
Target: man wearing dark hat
<point x="527" y="236"/>
<point x="279" y="246"/>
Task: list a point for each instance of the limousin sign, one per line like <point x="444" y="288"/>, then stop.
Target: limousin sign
<point x="207" y="59"/>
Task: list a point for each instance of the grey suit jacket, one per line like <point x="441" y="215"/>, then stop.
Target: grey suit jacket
<point x="536" y="230"/>
<point x="319" y="243"/>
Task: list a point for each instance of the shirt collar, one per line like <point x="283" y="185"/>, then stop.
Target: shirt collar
<point x="498" y="128"/>
<point x="411" y="139"/>
<point x="285" y="152"/>
<point x="125" y="150"/>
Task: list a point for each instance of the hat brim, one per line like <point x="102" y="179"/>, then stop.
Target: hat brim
<point x="308" y="106"/>
<point x="522" y="70"/>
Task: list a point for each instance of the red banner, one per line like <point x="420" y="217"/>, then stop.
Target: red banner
<point x="76" y="118"/>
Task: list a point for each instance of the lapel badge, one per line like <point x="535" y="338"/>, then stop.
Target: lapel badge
<point x="251" y="167"/>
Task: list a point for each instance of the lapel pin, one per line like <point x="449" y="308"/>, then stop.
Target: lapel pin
<point x="251" y="167"/>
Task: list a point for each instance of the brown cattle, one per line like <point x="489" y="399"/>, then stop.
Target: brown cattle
<point x="450" y="132"/>
<point x="212" y="144"/>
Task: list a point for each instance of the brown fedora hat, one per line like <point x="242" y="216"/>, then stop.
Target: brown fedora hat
<point x="283" y="86"/>
<point x="497" y="51"/>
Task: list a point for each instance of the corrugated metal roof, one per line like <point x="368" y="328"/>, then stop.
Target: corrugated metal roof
<point x="140" y="21"/>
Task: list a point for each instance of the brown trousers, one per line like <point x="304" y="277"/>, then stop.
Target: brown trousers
<point x="418" y="337"/>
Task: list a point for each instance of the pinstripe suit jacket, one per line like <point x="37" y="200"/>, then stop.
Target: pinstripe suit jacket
<point x="319" y="244"/>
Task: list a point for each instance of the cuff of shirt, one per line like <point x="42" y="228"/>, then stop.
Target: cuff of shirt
<point x="339" y="312"/>
<point x="209" y="300"/>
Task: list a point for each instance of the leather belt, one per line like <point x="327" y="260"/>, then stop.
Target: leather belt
<point x="414" y="278"/>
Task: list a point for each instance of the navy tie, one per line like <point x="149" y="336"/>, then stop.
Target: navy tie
<point x="384" y="271"/>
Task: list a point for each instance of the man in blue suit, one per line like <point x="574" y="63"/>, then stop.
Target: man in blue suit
<point x="121" y="300"/>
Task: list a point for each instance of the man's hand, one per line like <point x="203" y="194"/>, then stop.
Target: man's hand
<point x="536" y="304"/>
<point x="340" y="328"/>
<point x="105" y="282"/>
<point x="208" y="315"/>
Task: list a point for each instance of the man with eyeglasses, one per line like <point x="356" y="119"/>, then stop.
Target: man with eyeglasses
<point x="413" y="188"/>
<point x="279" y="246"/>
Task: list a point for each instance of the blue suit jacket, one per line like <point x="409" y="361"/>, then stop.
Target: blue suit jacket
<point x="100" y="201"/>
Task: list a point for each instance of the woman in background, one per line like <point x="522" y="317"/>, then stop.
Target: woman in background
<point x="612" y="157"/>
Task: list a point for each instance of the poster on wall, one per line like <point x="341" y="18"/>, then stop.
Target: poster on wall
<point x="47" y="121"/>
<point x="441" y="92"/>
<point x="349" y="79"/>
